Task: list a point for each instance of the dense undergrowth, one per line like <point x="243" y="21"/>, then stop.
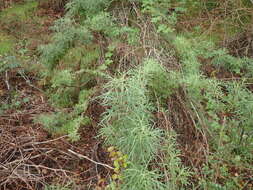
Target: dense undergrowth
<point x="135" y="59"/>
<point x="21" y="32"/>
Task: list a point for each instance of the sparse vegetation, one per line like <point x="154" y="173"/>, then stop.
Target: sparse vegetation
<point x="166" y="85"/>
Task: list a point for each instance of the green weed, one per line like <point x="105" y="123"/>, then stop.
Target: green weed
<point x="6" y="44"/>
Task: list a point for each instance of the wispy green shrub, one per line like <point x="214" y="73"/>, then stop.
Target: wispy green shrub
<point x="68" y="122"/>
<point x="176" y="173"/>
<point x="223" y="109"/>
<point x="128" y="123"/>
<point x="140" y="178"/>
<point x="220" y="57"/>
<point x="128" y="126"/>
<point x="101" y="22"/>
<point x="52" y="122"/>
<point x="160" y="12"/>
<point x="238" y="129"/>
<point x="63" y="123"/>
<point x="160" y="83"/>
<point x="66" y="35"/>
<point x="86" y="7"/>
<point x="71" y="62"/>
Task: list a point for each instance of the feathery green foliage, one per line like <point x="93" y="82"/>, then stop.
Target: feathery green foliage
<point x="68" y="123"/>
<point x="128" y="125"/>
<point x="176" y="173"/>
<point x="86" y="7"/>
<point x="139" y="178"/>
<point x="81" y="58"/>
<point x="66" y="35"/>
<point x="161" y="84"/>
<point x="230" y="136"/>
<point x="130" y="118"/>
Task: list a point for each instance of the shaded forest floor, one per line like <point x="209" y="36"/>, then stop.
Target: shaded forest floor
<point x="33" y="158"/>
<point x="30" y="156"/>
